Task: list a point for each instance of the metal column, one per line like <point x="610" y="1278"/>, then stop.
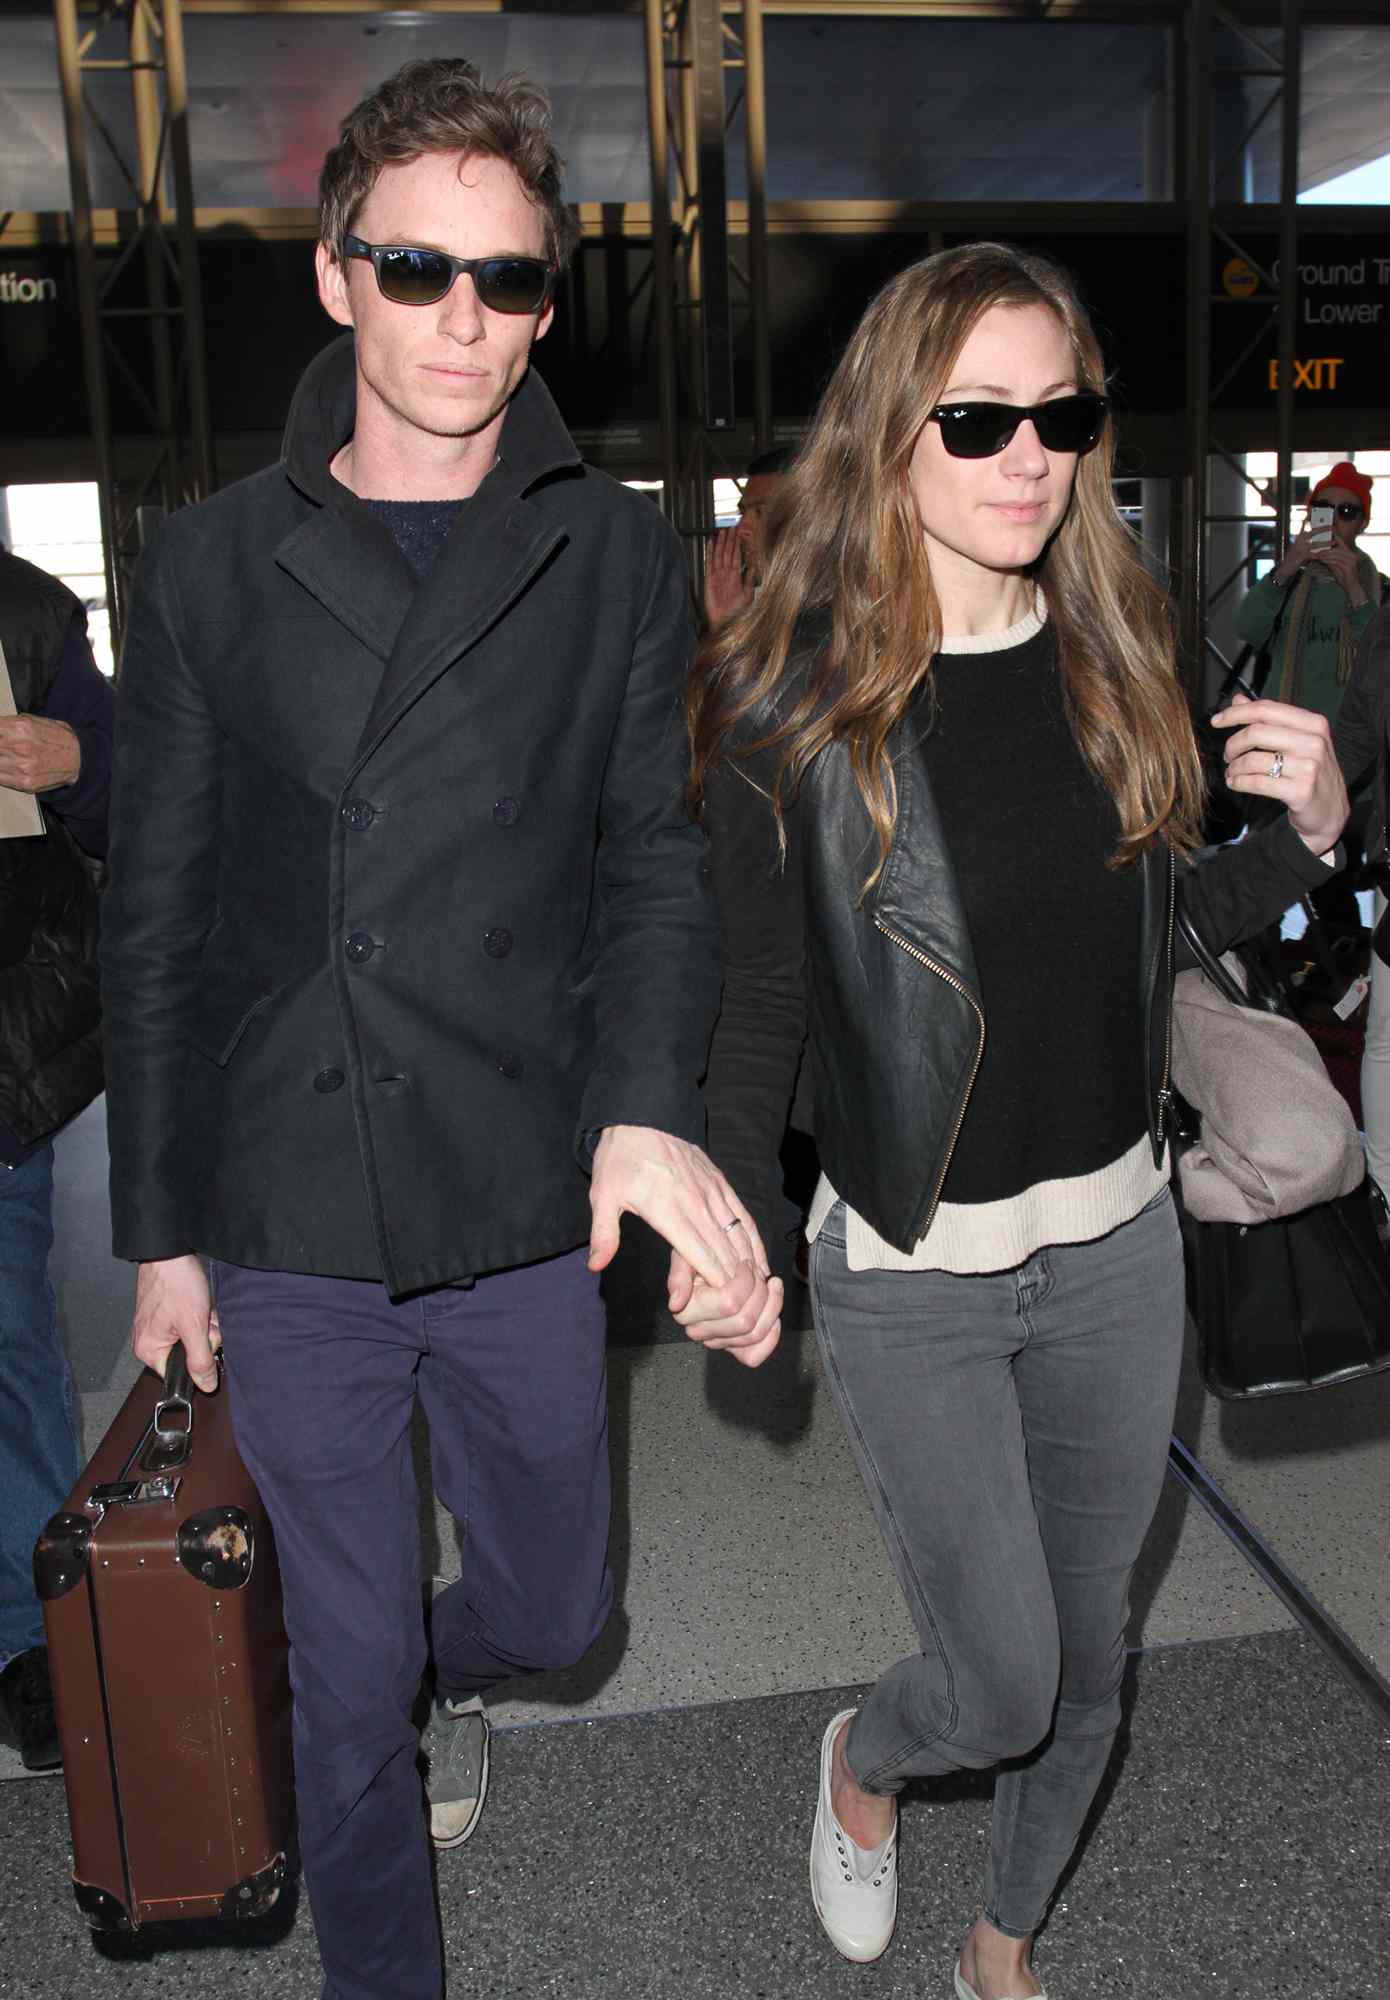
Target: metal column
<point x="1275" y="297"/>
<point x="155" y="280"/>
<point x="690" y="45"/>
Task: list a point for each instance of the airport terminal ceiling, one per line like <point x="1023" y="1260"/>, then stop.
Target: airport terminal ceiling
<point x="889" y="130"/>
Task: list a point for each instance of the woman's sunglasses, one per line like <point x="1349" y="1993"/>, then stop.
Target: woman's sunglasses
<point x="411" y="277"/>
<point x="979" y="430"/>
<point x="1345" y="510"/>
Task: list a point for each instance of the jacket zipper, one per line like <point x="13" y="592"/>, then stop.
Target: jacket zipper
<point x="1165" y="1095"/>
<point x="950" y="978"/>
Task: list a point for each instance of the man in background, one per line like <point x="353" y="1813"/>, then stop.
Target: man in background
<point x="57" y="748"/>
<point x="734" y="560"/>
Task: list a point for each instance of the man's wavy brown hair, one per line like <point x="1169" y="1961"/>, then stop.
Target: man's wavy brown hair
<point x="441" y="105"/>
<point x="844" y="538"/>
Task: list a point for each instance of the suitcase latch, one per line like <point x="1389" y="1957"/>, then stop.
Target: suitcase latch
<point x="132" y="1493"/>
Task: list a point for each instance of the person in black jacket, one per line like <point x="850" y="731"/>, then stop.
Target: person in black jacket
<point x="1361" y="735"/>
<point x="410" y="966"/>
<point x="950" y="744"/>
<point x="58" y="747"/>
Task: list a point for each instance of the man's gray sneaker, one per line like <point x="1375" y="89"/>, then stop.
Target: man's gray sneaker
<point x="454" y="1744"/>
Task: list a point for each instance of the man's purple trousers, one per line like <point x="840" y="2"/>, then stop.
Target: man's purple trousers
<point x="323" y="1375"/>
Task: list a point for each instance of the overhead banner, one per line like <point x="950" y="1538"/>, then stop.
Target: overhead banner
<point x="1342" y="315"/>
<point x="264" y="324"/>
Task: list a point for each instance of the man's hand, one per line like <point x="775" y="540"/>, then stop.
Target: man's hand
<point x="1344" y="567"/>
<point x="38" y="754"/>
<point x="722" y="1316"/>
<point x="1299" y="551"/>
<point x="727" y="589"/>
<point x="1286" y="753"/>
<point x="172" y="1303"/>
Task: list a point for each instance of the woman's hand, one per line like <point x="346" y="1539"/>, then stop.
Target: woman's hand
<point x="1285" y="753"/>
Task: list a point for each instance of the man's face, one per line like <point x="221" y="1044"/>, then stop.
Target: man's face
<point x="447" y="369"/>
<point x="757" y="496"/>
<point x="1344" y="530"/>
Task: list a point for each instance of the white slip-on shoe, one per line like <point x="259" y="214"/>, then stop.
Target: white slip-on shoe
<point x="854" y="1889"/>
<point x="457" y="1756"/>
<point x="965" y="1991"/>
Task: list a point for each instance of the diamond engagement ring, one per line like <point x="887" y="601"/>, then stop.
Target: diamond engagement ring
<point x="1276" y="769"/>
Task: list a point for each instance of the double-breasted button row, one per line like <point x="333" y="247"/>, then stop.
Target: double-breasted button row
<point x="357" y="814"/>
<point x="497" y="942"/>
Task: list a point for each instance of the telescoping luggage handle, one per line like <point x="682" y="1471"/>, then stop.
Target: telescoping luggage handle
<point x="168" y="1449"/>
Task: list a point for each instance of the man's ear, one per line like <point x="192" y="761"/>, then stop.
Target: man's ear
<point x="333" y="285"/>
<point x="543" y="322"/>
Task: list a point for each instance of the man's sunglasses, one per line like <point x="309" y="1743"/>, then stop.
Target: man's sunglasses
<point x="979" y="430"/>
<point x="411" y="277"/>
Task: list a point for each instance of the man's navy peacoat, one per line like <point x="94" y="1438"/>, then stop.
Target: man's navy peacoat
<point x="405" y="901"/>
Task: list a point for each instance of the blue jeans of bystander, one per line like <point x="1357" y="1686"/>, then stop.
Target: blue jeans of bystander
<point x="39" y="1453"/>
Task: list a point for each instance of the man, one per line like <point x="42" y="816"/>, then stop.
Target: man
<point x="1311" y="610"/>
<point x="408" y="936"/>
<point x="1309" y="614"/>
<point x="734" y="562"/>
<point x="58" y="747"/>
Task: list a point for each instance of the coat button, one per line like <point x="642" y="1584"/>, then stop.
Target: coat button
<point x="358" y="814"/>
<point x="329" y="1080"/>
<point x="359" y="946"/>
<point x="506" y="812"/>
<point x="497" y="943"/>
<point x="509" y="1063"/>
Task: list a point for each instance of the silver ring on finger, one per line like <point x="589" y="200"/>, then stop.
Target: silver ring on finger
<point x="1276" y="769"/>
<point x="731" y="1225"/>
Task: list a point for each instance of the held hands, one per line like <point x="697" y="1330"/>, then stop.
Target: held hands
<point x="172" y="1303"/>
<point x="720" y="1288"/>
<point x="728" y="590"/>
<point x="1285" y="753"/>
<point x="37" y="754"/>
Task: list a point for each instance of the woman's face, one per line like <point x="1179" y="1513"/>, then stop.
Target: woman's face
<point x="997" y="513"/>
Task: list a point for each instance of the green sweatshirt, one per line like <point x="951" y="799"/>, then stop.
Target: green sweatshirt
<point x="1327" y="608"/>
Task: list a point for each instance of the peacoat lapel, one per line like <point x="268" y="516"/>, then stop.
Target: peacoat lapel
<point x="351" y="567"/>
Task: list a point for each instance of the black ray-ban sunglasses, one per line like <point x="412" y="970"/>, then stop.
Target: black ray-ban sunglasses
<point x="979" y="430"/>
<point x="411" y="277"/>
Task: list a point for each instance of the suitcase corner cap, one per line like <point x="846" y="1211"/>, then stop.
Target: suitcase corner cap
<point x="61" y="1555"/>
<point x="218" y="1547"/>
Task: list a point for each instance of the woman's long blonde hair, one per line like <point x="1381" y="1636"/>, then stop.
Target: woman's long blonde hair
<point x="845" y="539"/>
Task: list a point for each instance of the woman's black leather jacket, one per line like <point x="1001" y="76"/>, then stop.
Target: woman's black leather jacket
<point x="886" y="987"/>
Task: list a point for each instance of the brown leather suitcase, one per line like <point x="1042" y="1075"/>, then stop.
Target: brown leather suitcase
<point x="167" y="1649"/>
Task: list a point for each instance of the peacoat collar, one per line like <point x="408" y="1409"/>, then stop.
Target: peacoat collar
<point x="348" y="562"/>
<point x="534" y="439"/>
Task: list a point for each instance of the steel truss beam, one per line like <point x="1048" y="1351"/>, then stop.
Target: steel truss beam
<point x="169" y="381"/>
<point x="690" y="45"/>
<point x="1276" y="302"/>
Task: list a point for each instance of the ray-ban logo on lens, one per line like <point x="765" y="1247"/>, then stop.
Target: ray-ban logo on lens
<point x="17" y="290"/>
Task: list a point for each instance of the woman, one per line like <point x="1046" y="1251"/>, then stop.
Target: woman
<point x="950" y="742"/>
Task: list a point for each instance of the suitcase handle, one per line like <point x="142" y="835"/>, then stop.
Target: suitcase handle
<point x="171" y="1445"/>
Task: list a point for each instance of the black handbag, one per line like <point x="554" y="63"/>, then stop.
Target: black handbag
<point x="1301" y="1302"/>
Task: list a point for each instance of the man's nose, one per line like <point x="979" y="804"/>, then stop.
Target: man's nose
<point x="461" y="310"/>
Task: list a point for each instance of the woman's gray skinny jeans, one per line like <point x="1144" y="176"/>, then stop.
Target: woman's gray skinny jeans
<point x="1012" y="1432"/>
